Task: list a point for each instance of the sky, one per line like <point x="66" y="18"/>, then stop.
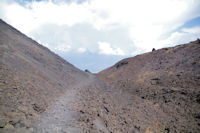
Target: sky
<point x="95" y="34"/>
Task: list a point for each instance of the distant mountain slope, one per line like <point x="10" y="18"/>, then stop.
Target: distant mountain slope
<point x="168" y="78"/>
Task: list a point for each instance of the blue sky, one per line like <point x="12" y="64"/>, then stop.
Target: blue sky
<point x="95" y="34"/>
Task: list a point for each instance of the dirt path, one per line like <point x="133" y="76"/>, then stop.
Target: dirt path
<point x="59" y="117"/>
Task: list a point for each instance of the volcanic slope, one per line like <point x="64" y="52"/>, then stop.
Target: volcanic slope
<point x="169" y="79"/>
<point x="35" y="85"/>
<point x="40" y="92"/>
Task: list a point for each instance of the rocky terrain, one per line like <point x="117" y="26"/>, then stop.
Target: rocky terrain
<point x="151" y="93"/>
<point x="169" y="79"/>
<point x="31" y="78"/>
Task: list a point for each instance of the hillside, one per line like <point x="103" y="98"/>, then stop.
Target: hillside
<point x="31" y="78"/>
<point x="41" y="93"/>
<point x="168" y="78"/>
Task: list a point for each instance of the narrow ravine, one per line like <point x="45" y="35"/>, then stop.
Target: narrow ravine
<point x="60" y="116"/>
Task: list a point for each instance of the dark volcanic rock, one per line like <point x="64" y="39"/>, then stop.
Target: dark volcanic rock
<point x="118" y="65"/>
<point x="39" y="108"/>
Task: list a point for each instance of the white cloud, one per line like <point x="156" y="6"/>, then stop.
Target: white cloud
<point x="35" y="14"/>
<point x="146" y="21"/>
<point x="63" y="47"/>
<point x="183" y="36"/>
<point x="137" y="51"/>
<point x="54" y="37"/>
<point x="81" y="50"/>
<point x="105" y="48"/>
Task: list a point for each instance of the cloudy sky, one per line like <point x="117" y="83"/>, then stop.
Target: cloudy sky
<point x="94" y="34"/>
